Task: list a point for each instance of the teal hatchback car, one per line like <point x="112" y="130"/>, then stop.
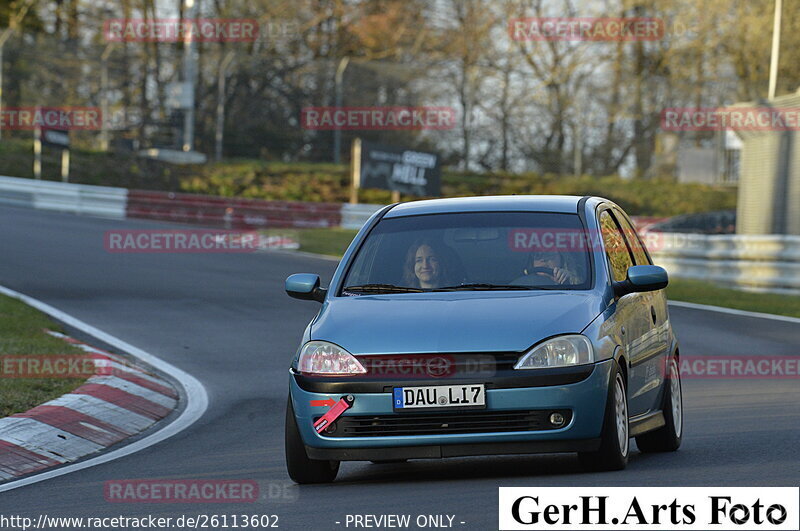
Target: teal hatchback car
<point x="485" y="326"/>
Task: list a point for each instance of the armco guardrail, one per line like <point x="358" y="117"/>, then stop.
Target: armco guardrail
<point x="83" y="199"/>
<point x="354" y="216"/>
<point x="231" y="212"/>
<point x="768" y="262"/>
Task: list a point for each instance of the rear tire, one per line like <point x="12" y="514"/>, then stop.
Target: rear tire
<point x="668" y="437"/>
<point x="301" y="469"/>
<point x="615" y="440"/>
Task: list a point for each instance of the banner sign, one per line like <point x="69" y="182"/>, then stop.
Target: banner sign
<point x="55" y="137"/>
<point x="403" y="170"/>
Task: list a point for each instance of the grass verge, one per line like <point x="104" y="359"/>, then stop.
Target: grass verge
<point x="704" y="293"/>
<point x="334" y="242"/>
<point x="21" y="333"/>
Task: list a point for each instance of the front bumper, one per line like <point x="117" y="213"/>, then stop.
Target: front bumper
<point x="586" y="400"/>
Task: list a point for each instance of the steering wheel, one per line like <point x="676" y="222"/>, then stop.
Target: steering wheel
<point x="533" y="278"/>
<point x="549" y="271"/>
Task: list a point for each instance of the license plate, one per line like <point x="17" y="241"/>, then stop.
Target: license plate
<point x="469" y="395"/>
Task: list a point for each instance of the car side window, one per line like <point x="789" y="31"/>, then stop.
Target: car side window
<point x="635" y="244"/>
<point x="616" y="249"/>
<point x="360" y="272"/>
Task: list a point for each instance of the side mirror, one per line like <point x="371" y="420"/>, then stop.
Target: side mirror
<point x="642" y="278"/>
<point x="305" y="286"/>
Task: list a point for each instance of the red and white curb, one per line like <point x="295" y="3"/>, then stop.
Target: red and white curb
<point x="120" y="401"/>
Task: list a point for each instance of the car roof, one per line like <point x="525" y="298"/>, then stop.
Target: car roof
<point x="565" y="204"/>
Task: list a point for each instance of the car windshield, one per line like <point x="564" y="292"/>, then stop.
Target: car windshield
<point x="472" y="251"/>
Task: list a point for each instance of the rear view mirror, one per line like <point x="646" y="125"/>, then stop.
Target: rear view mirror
<point x="476" y="235"/>
<point x="642" y="278"/>
<point x="305" y="286"/>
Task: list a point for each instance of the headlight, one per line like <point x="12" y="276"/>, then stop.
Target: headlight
<point x="321" y="357"/>
<point x="562" y="351"/>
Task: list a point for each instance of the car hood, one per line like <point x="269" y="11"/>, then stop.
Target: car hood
<point x="452" y="322"/>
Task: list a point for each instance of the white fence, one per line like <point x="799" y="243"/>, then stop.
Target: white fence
<point x="103" y="201"/>
<point x="763" y="263"/>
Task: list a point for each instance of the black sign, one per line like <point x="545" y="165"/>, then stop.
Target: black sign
<point x="55" y="137"/>
<point x="403" y="170"/>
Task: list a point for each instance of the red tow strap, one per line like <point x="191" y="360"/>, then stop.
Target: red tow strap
<point x="345" y="403"/>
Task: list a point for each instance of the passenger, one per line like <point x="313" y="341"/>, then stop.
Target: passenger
<point x="425" y="266"/>
<point x="551" y="266"/>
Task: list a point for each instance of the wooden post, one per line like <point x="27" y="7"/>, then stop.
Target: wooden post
<point x="355" y="170"/>
<point x="65" y="165"/>
<point x="395" y="196"/>
<point x="37" y="153"/>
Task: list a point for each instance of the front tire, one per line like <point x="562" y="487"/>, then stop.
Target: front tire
<point x="615" y="441"/>
<point x="301" y="469"/>
<point x="668" y="437"/>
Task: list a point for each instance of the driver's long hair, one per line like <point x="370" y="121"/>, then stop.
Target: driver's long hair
<point x="409" y="276"/>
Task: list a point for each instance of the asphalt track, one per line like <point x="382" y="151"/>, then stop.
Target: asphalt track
<point x="225" y="319"/>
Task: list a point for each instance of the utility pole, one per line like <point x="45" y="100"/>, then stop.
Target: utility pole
<point x="776" y="48"/>
<point x="189" y="76"/>
<point x="223" y="71"/>
<point x="337" y="133"/>
<point x="13" y="21"/>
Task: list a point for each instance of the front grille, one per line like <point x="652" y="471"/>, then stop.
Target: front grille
<point x="437" y="366"/>
<point x="445" y="423"/>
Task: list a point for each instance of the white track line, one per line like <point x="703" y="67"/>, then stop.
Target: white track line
<point x="196" y="396"/>
<point x="733" y="311"/>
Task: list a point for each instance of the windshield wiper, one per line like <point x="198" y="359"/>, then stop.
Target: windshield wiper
<point x="484" y="286"/>
<point x="382" y="288"/>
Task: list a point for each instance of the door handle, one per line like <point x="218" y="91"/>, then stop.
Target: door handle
<point x="653" y="314"/>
